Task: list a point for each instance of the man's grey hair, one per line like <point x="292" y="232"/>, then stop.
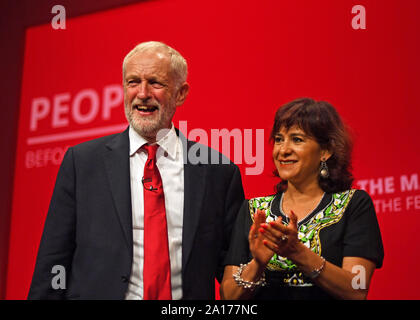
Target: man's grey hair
<point x="178" y="63"/>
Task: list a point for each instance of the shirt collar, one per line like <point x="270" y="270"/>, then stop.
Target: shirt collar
<point x="168" y="142"/>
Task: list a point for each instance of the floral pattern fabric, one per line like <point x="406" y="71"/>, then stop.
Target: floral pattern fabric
<point x="308" y="232"/>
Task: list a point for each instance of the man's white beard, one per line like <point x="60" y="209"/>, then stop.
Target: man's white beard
<point x="149" y="128"/>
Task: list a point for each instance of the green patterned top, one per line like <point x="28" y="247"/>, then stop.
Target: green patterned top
<point x="308" y="233"/>
<point x="344" y="224"/>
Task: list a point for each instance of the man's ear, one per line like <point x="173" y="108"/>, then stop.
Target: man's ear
<point x="182" y="93"/>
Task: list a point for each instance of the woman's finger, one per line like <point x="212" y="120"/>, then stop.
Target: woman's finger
<point x="293" y="220"/>
<point x="253" y="233"/>
<point x="268" y="229"/>
<point x="280" y="227"/>
<point x="260" y="216"/>
<point x="271" y="245"/>
<point x="267" y="234"/>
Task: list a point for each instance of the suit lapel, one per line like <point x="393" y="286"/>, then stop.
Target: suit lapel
<point x="194" y="190"/>
<point x="117" y="163"/>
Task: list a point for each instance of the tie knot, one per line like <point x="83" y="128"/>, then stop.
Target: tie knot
<point x="151" y="150"/>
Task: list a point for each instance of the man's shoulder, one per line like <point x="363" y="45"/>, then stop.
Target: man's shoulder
<point x="198" y="153"/>
<point x="101" y="142"/>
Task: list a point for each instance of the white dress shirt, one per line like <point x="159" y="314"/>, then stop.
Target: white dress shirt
<point x="169" y="160"/>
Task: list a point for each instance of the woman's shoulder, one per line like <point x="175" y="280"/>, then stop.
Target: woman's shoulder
<point x="354" y="194"/>
<point x="362" y="198"/>
<point x="350" y="199"/>
<point x="262" y="201"/>
<point x="355" y="198"/>
<point x="362" y="193"/>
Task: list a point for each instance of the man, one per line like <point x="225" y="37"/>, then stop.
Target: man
<point x="108" y="192"/>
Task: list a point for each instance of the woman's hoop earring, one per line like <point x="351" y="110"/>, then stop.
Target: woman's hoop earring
<point x="323" y="170"/>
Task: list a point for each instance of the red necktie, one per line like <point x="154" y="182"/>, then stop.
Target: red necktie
<point x="156" y="267"/>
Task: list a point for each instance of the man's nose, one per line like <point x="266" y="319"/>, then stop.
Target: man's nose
<point x="144" y="91"/>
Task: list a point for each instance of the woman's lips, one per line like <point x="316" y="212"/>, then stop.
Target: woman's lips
<point x="287" y="162"/>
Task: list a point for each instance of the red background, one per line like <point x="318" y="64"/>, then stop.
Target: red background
<point x="246" y="58"/>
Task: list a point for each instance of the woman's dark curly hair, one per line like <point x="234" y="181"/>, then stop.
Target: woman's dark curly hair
<point x="320" y="120"/>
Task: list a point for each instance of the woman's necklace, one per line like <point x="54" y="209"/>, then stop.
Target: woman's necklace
<point x="287" y="216"/>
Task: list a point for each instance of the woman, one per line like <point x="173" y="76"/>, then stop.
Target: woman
<point x="316" y="238"/>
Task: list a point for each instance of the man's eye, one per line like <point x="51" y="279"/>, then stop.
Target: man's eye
<point x="132" y="83"/>
<point x="297" y="139"/>
<point x="156" y="85"/>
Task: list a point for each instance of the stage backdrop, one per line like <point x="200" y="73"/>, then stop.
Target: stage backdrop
<point x="246" y="58"/>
